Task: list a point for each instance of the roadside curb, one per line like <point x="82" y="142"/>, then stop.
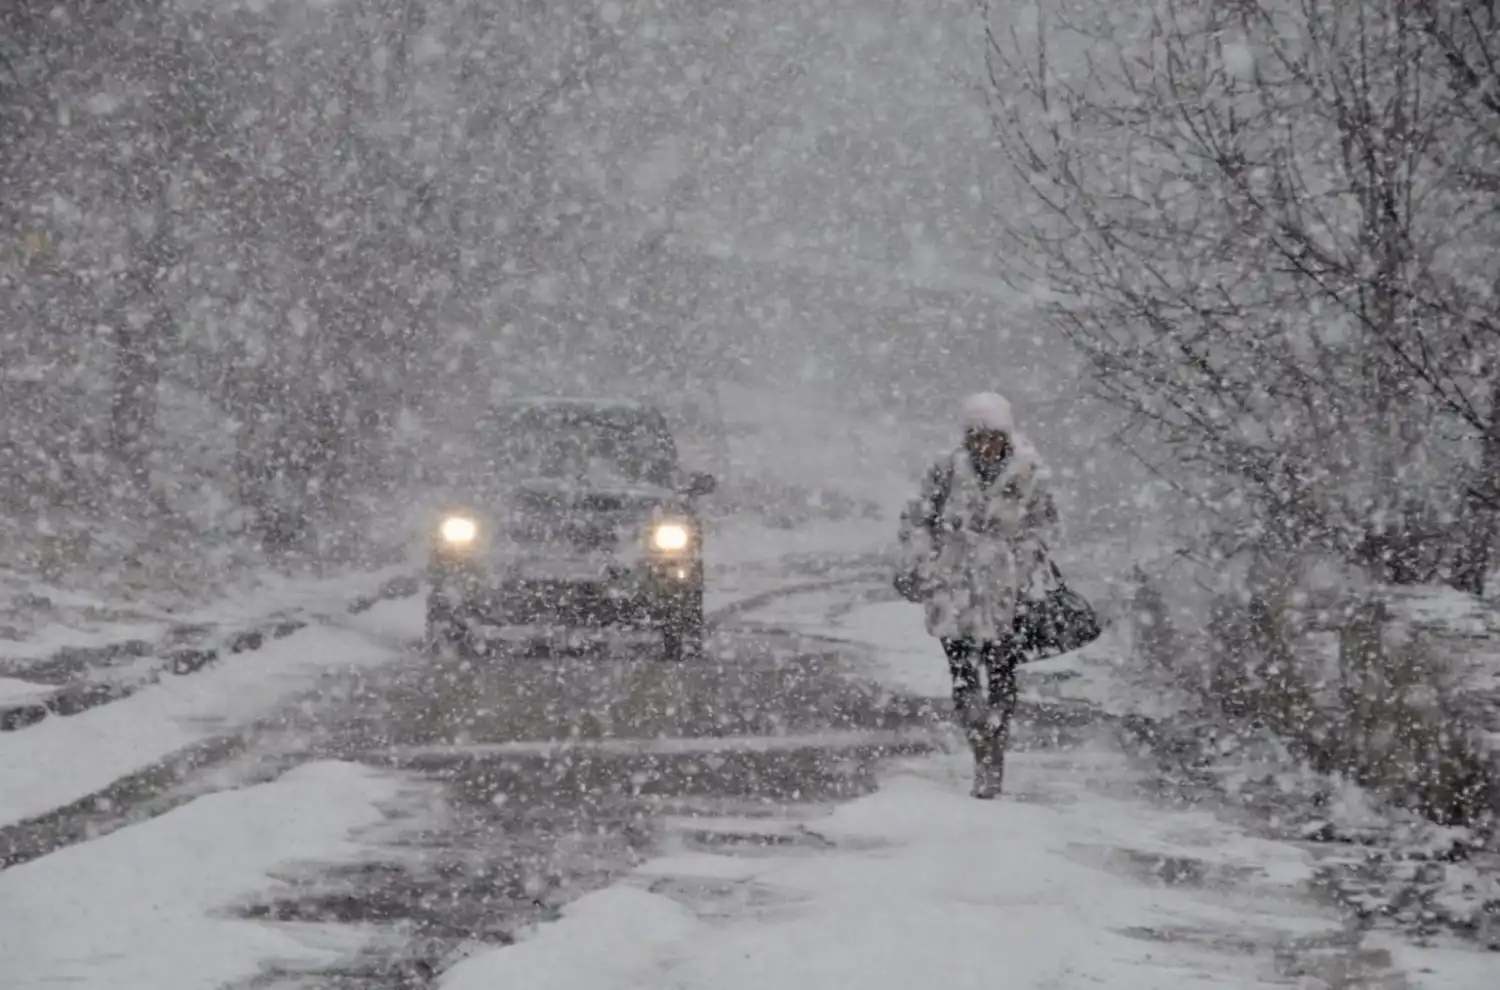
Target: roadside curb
<point x="176" y="656"/>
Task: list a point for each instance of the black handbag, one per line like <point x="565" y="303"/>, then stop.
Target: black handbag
<point x="1059" y="622"/>
<point x="909" y="586"/>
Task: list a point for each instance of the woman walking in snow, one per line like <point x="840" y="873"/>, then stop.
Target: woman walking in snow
<point x="970" y="545"/>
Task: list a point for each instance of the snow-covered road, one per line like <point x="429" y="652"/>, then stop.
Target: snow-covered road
<point x="142" y="907"/>
<point x="782" y="815"/>
<point x="61" y="761"/>
<point x="1071" y="883"/>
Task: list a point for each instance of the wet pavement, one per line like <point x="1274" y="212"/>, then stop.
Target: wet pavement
<point x="535" y="779"/>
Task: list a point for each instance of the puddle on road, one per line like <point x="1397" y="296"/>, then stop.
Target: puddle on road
<point x="712" y="899"/>
<point x="739" y="835"/>
<point x="1159" y="869"/>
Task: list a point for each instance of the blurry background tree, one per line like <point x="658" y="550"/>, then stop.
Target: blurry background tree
<point x="272" y="224"/>
<point x="247" y="241"/>
<point x="1269" y="225"/>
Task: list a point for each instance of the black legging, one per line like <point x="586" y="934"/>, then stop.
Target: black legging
<point x="999" y="659"/>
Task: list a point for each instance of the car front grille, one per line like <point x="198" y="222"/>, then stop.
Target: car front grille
<point x="573" y="535"/>
<point x="562" y="601"/>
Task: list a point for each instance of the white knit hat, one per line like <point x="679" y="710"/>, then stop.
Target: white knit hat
<point x="988" y="411"/>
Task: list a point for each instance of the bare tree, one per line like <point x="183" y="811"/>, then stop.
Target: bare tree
<point x="1248" y="219"/>
<point x="1466" y="35"/>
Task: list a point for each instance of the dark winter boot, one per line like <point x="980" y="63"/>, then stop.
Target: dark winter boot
<point x="989" y="772"/>
<point x="988" y="742"/>
<point x="973" y="718"/>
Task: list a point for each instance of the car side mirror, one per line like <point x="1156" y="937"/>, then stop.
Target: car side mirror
<point x="700" y="483"/>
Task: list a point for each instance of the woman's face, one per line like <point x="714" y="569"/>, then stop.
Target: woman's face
<point x="987" y="446"/>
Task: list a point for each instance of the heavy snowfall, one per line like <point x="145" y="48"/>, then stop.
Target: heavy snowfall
<point x="565" y="493"/>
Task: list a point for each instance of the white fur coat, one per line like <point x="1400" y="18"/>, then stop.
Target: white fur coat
<point x="980" y="553"/>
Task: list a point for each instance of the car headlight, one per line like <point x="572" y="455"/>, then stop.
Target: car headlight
<point x="458" y="531"/>
<point x="670" y="537"/>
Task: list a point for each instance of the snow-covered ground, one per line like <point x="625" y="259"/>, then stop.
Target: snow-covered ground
<point x="14" y="690"/>
<point x="141" y="908"/>
<point x="1073" y="880"/>
<point x="1067" y="884"/>
<point x="39" y="620"/>
<point x="63" y="760"/>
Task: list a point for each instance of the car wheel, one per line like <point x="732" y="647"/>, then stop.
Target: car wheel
<point x="682" y="634"/>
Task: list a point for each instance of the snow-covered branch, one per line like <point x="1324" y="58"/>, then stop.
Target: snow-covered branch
<point x="1253" y="222"/>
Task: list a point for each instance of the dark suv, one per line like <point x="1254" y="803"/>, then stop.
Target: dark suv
<point x="567" y="513"/>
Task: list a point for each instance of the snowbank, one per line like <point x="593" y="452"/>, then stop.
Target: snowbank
<point x="40" y="620"/>
<point x="59" y="761"/>
<point x="16" y="691"/>
<point x="1399" y="849"/>
<point x="139" y="907"/>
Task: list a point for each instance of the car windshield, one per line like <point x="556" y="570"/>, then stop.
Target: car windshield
<point x="578" y="443"/>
